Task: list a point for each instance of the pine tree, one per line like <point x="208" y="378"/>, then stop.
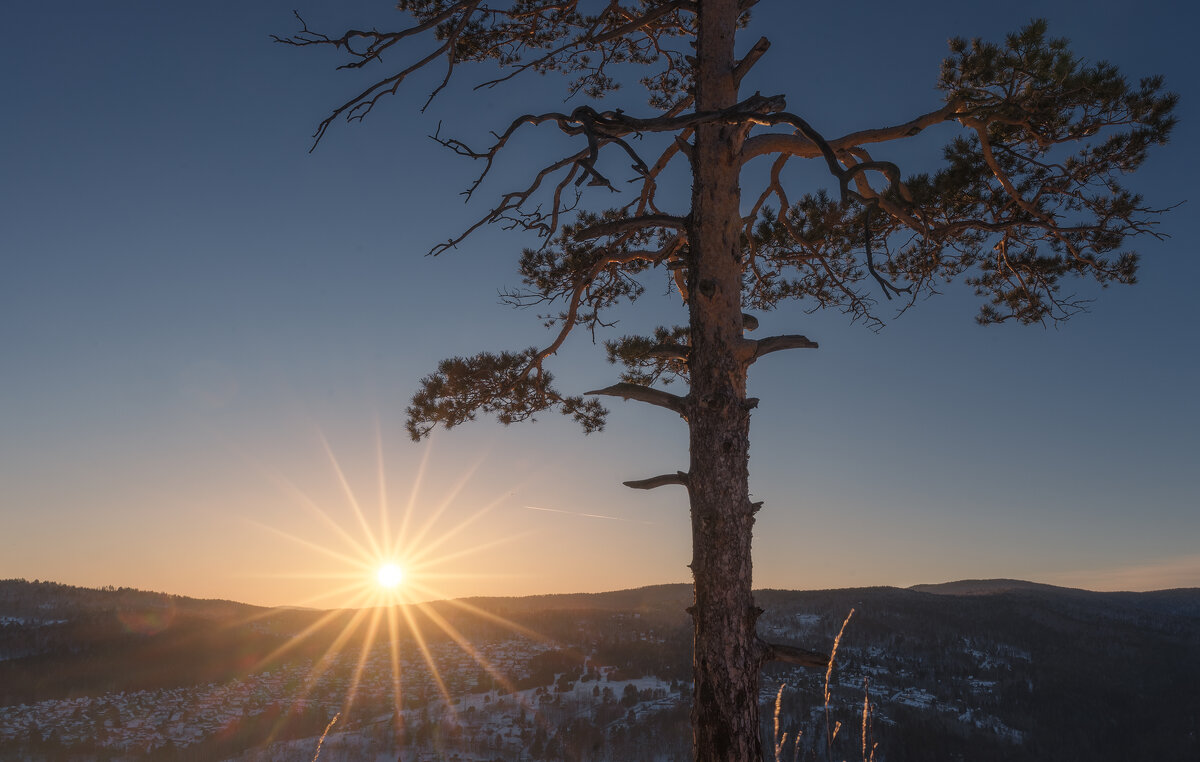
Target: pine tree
<point x="1029" y="197"/>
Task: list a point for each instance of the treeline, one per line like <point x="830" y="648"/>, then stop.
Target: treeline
<point x="96" y="652"/>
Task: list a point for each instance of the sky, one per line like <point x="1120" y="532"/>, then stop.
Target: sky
<point x="208" y="335"/>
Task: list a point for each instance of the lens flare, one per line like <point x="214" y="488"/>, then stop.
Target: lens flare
<point x="381" y="624"/>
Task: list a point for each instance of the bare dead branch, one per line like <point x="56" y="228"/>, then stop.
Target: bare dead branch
<point x="509" y="208"/>
<point x="360" y="105"/>
<point x="756" y="51"/>
<point x="645" y="394"/>
<point x="679" y="477"/>
<point x="599" y="129"/>
<point x="779" y="343"/>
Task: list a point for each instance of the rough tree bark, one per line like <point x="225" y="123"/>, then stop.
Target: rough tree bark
<point x="727" y="657"/>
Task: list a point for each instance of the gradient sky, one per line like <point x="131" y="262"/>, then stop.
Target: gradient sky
<point x="196" y="313"/>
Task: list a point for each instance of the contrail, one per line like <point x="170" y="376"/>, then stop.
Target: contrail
<point x="589" y="515"/>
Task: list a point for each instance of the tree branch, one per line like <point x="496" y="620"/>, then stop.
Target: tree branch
<point x="645" y="394"/>
<point x="679" y="477"/>
<point x="642" y="21"/>
<point x="779" y="343"/>
<point x="799" y="145"/>
<point x="633" y="223"/>
<point x="742" y="67"/>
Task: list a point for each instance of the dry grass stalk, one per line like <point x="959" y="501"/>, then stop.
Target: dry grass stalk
<point x="830" y="735"/>
<point x="866" y="714"/>
<point x="321" y="740"/>
<point x="779" y="740"/>
<point x="833" y="655"/>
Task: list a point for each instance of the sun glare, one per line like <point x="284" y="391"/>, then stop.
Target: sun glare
<point x="389" y="576"/>
<point x="389" y="570"/>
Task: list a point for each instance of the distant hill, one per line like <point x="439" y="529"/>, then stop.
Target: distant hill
<point x="59" y="641"/>
<point x="985" y="587"/>
<point x="1181" y="602"/>
<point x="641" y="599"/>
<point x="45" y="600"/>
<point x="978" y="670"/>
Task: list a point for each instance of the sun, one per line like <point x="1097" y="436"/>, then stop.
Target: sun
<point x="386" y="573"/>
<point x="389" y="576"/>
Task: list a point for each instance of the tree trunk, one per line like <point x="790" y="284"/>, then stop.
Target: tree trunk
<point x="727" y="654"/>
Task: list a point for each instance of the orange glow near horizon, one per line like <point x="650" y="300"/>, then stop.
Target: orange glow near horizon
<point x="386" y="588"/>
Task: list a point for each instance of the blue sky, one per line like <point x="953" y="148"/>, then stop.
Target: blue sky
<point x="195" y="311"/>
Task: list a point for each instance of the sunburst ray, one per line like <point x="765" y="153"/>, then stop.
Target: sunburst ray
<point x="388" y="622"/>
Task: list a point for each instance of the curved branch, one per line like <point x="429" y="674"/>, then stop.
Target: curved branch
<point x="645" y="394"/>
<point x="985" y="148"/>
<point x="885" y="284"/>
<point x="679" y="477"/>
<point x="799" y="145"/>
<point x="509" y="210"/>
<point x="879" y="200"/>
<point x="462" y="149"/>
<point x="360" y="105"/>
<point x="828" y="152"/>
<point x="632" y="223"/>
<point x="600" y="129"/>
<point x="778" y="343"/>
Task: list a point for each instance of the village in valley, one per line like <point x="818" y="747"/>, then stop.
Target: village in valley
<point x="602" y="678"/>
<point x="449" y="699"/>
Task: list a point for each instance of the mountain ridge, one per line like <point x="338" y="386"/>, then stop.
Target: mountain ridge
<point x="654" y="596"/>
